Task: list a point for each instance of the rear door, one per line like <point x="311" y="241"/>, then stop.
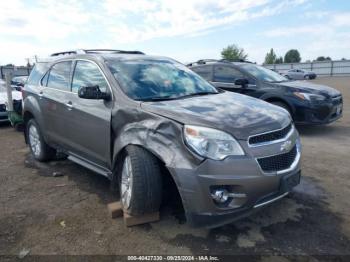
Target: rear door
<point x="88" y="122"/>
<point x="56" y="84"/>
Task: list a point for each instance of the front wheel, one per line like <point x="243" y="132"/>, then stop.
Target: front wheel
<point x="140" y="181"/>
<point x="38" y="147"/>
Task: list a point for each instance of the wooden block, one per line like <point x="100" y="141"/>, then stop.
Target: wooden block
<point x="138" y="220"/>
<point x="115" y="209"/>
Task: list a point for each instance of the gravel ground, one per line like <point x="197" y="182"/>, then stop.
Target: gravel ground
<point x="67" y="215"/>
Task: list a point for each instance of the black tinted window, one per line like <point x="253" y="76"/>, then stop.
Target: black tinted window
<point x="59" y="76"/>
<point x="88" y="74"/>
<point x="204" y="71"/>
<point x="226" y="74"/>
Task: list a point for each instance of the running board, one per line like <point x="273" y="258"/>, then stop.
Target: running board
<point x="91" y="166"/>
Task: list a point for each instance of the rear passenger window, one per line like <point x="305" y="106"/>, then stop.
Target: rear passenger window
<point x="59" y="76"/>
<point x="88" y="74"/>
<point x="204" y="71"/>
<point x="226" y="74"/>
<point x="36" y="73"/>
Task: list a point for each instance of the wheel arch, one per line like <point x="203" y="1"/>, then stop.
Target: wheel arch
<point x="169" y="182"/>
<point x="281" y="100"/>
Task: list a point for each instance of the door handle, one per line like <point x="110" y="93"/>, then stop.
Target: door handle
<point x="41" y="94"/>
<point x="69" y="105"/>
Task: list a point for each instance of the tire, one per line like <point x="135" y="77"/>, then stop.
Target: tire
<point x="140" y="183"/>
<point x="283" y="105"/>
<point x="40" y="150"/>
<point x="307" y="77"/>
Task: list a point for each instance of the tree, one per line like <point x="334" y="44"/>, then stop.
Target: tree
<point x="292" y="56"/>
<point x="270" y="57"/>
<point x="279" y="60"/>
<point x="322" y="58"/>
<point x="233" y="52"/>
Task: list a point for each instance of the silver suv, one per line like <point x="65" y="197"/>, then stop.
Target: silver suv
<point x="141" y="120"/>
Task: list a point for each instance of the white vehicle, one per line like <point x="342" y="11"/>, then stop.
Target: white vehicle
<point x="299" y="74"/>
<point x="16" y="96"/>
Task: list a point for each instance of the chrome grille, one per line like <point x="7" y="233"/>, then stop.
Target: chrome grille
<point x="271" y="136"/>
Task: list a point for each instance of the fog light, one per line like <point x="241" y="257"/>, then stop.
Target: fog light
<point x="220" y="195"/>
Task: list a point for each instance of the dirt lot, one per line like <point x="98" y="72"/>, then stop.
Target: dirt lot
<point x="43" y="214"/>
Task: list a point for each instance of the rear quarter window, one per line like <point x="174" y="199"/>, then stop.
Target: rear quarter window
<point x="37" y="73"/>
<point x="59" y="76"/>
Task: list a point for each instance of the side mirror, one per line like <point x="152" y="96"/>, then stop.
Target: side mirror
<point x="241" y="82"/>
<point x="92" y="92"/>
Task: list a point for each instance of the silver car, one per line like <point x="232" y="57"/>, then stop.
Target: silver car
<point x="298" y="74"/>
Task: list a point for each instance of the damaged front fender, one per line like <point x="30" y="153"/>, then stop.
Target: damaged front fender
<point x="157" y="134"/>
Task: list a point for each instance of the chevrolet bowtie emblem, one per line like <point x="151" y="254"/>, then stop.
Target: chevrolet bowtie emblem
<point x="286" y="146"/>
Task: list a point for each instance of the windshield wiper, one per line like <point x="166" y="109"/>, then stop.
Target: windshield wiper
<point x="164" y="98"/>
<point x="199" y="94"/>
<point x="156" y="98"/>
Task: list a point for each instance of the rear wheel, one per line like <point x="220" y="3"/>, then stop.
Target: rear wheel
<point x="140" y="181"/>
<point x="40" y="150"/>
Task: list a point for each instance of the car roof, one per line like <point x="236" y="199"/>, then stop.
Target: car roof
<point x="204" y="62"/>
<point x="102" y="55"/>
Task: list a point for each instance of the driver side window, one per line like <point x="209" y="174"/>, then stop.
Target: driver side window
<point x="88" y="74"/>
<point x="226" y="74"/>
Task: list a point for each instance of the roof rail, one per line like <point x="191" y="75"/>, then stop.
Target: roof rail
<point x="204" y="61"/>
<point x="113" y="51"/>
<point x="65" y="53"/>
<point x="236" y="60"/>
<point x="96" y="51"/>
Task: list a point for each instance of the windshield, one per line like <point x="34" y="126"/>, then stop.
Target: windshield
<point x="148" y="79"/>
<point x="263" y="73"/>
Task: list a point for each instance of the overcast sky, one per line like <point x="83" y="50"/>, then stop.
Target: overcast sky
<point x="186" y="30"/>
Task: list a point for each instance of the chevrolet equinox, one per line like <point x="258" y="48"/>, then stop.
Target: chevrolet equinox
<point x="135" y="118"/>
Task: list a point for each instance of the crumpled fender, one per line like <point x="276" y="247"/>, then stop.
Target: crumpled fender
<point x="159" y="135"/>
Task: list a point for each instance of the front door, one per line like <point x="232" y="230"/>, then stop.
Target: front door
<point x="225" y="76"/>
<point x="89" y="122"/>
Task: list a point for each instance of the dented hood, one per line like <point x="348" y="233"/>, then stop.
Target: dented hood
<point x="237" y="114"/>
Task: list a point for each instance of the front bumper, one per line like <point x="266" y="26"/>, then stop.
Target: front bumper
<point x="242" y="175"/>
<point x="322" y="113"/>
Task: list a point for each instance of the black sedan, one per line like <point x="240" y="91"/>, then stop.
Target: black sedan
<point x="307" y="103"/>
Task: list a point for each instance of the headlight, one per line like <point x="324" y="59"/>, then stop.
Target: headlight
<point x="211" y="143"/>
<point x="309" y="97"/>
